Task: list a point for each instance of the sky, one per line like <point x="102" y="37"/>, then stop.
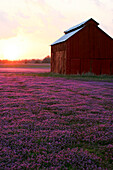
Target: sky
<point x="28" y="27"/>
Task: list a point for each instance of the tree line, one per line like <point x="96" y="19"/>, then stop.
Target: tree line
<point x="47" y="59"/>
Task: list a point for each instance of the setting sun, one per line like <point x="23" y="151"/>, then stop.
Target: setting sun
<point x="11" y="52"/>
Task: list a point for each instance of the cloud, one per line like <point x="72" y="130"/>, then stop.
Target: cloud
<point x="22" y="15"/>
<point x="40" y="3"/>
<point x="30" y="16"/>
<point x="97" y="2"/>
<point x="39" y="17"/>
<point x="8" y="26"/>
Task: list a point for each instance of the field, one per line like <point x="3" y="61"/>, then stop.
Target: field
<point x="55" y="122"/>
<point x="23" y="68"/>
<point x="22" y="65"/>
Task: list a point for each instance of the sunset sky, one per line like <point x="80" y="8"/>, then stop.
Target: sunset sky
<point x="28" y="27"/>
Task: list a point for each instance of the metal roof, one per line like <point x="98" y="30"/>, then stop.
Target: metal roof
<point x="66" y="36"/>
<point x="75" y="27"/>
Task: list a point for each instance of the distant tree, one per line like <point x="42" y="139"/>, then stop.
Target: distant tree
<point x="37" y="61"/>
<point x="46" y="59"/>
<point x="25" y="61"/>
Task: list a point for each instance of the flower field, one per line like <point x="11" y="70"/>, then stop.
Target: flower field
<point x="55" y="123"/>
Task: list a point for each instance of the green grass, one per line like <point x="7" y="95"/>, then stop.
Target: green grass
<point x="87" y="76"/>
<point x="83" y="77"/>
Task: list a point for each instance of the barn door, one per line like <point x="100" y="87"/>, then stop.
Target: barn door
<point x="60" y="62"/>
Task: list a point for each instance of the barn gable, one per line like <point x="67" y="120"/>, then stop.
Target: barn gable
<point x="81" y="25"/>
<point x="83" y="48"/>
<point x="73" y="30"/>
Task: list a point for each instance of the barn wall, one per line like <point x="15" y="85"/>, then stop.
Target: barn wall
<point x="84" y="43"/>
<point x="111" y="68"/>
<point x="101" y="44"/>
<point x="97" y="66"/>
<point x="58" y="58"/>
<point x="75" y="66"/>
<point x="78" y="50"/>
<point x="102" y="51"/>
<point x="86" y="65"/>
<point x="68" y="58"/>
<point x="90" y="50"/>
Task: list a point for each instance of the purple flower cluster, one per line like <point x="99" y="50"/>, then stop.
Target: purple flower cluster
<point x="55" y="123"/>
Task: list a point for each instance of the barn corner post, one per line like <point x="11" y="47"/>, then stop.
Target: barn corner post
<point x="68" y="63"/>
<point x="51" y="60"/>
<point x="112" y="58"/>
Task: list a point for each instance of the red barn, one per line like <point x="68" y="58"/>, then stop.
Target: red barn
<point x="83" y="48"/>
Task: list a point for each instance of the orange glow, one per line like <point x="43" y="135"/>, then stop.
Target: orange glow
<point x="11" y="52"/>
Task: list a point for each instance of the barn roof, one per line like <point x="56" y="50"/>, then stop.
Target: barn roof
<point x="73" y="30"/>
<point x="75" y="27"/>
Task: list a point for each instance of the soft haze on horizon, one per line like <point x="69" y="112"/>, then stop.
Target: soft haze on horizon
<point x="28" y="27"/>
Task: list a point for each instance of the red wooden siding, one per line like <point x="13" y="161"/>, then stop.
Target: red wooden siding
<point x="58" y="57"/>
<point x="84" y="43"/>
<point x="101" y="46"/>
<point x="96" y="66"/>
<point x="105" y="67"/>
<point x="111" y="64"/>
<point x="85" y="65"/>
<point x="68" y="58"/>
<point x="75" y="66"/>
<point x="73" y="45"/>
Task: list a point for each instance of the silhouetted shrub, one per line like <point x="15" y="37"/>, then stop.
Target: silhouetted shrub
<point x="46" y="59"/>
